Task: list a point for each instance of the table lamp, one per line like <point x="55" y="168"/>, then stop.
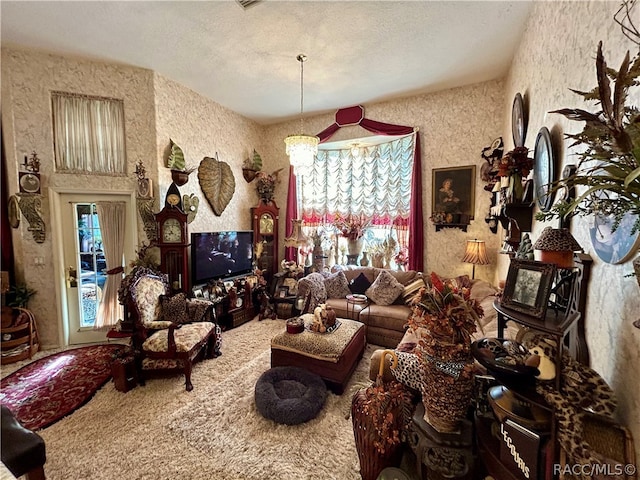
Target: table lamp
<point x="297" y="239"/>
<point x="475" y="254"/>
<point x="556" y="245"/>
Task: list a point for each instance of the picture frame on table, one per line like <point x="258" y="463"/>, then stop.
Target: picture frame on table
<point x="282" y="292"/>
<point x="528" y="286"/>
<point x="453" y="194"/>
<point x="291" y="284"/>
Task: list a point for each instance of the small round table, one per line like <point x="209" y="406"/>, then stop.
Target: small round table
<point x="355" y="304"/>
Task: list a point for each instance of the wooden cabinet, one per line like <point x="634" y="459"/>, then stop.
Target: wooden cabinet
<point x="20" y="337"/>
<point x="265" y="234"/>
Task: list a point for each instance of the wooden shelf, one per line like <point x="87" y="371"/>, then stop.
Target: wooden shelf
<point x="461" y="226"/>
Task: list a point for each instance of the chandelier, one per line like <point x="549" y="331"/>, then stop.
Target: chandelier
<point x="301" y="148"/>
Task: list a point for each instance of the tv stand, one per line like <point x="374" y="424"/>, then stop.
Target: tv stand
<point x="233" y="304"/>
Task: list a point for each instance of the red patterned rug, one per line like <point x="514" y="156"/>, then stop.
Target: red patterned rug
<point x="44" y="391"/>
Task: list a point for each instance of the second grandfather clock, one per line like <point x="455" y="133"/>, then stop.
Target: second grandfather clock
<point x="265" y="236"/>
<point x="173" y="242"/>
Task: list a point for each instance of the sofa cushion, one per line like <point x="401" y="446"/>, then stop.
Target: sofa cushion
<point x="336" y="285"/>
<point x="411" y="290"/>
<point x="359" y="284"/>
<point x="174" y="308"/>
<point x="385" y="289"/>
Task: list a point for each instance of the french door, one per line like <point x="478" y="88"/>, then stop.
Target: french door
<point x="84" y="262"/>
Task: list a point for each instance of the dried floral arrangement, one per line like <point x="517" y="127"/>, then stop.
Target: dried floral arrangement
<point x="266" y="184"/>
<point x="351" y="226"/>
<point x="447" y="316"/>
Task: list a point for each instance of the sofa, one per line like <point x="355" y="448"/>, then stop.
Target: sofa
<point x="386" y="312"/>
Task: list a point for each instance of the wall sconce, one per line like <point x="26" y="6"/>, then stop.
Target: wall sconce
<point x="475" y="254"/>
<point x="556" y="245"/>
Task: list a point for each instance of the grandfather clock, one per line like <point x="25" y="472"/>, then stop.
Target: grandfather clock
<point x="173" y="242"/>
<point x="265" y="236"/>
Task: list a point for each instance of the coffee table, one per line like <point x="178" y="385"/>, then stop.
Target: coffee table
<point x="333" y="356"/>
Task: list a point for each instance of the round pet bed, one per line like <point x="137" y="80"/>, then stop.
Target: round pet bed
<point x="290" y="395"/>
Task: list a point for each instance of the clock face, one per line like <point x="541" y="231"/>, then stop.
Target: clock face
<point x="266" y="224"/>
<point x="171" y="231"/>
<point x="173" y="199"/>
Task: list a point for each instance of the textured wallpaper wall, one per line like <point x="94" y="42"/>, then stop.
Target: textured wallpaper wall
<point x="27" y="79"/>
<point x="558" y="52"/>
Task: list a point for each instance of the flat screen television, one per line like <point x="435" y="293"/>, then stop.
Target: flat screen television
<point x="216" y="255"/>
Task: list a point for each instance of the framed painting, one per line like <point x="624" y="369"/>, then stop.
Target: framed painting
<point x="454" y="192"/>
<point x="528" y="286"/>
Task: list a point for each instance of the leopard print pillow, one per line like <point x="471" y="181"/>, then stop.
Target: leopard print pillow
<point x="409" y="371"/>
<point x="174" y="308"/>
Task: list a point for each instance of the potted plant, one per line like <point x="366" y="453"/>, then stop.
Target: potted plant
<point x="179" y="172"/>
<point x="19" y="295"/>
<point x="609" y="162"/>
<point x="251" y="166"/>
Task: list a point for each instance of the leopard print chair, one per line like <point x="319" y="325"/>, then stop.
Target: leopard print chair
<point x="170" y="331"/>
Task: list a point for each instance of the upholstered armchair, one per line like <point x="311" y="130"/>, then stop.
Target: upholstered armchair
<point x="170" y="332"/>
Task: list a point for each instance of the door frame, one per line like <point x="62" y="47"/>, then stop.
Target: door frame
<point x="131" y="245"/>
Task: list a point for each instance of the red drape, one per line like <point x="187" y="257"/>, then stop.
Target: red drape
<point x="355" y="116"/>
<point x="290" y="253"/>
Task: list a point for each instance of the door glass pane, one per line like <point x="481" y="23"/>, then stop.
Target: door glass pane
<point x="91" y="261"/>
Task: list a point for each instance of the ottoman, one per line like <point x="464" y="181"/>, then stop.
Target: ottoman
<point x="332" y="356"/>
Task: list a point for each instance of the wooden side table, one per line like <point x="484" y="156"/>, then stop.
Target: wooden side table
<point x="445" y="455"/>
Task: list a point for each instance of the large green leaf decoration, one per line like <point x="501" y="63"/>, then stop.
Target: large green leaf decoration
<point x="217" y="182"/>
<point x="176" y="158"/>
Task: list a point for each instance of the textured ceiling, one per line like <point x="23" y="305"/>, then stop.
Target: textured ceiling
<point x="358" y="51"/>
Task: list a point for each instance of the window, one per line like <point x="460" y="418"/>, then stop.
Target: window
<point x="372" y="182"/>
<point x="88" y="134"/>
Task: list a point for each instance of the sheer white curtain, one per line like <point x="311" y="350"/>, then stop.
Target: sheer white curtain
<point x="375" y="182"/>
<point x="112" y="218"/>
<point x="88" y="134"/>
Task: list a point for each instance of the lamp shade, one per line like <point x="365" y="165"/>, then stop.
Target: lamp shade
<point x="556" y="245"/>
<point x="297" y="238"/>
<point x="476" y="253"/>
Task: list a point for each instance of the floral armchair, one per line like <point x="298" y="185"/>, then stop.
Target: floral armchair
<point x="170" y="332"/>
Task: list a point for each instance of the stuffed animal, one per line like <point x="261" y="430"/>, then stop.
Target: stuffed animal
<point x="324" y="317"/>
<point x="582" y="388"/>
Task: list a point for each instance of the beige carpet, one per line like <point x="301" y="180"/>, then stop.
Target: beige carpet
<point x="160" y="431"/>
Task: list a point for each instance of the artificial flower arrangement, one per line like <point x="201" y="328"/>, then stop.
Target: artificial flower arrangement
<point x="353" y="227"/>
<point x="266" y="184"/>
<point x="448" y="314"/>
<point x="514" y="166"/>
<point x="402" y="257"/>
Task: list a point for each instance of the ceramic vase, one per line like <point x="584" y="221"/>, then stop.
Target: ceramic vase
<point x="354" y="247"/>
<point x="364" y="261"/>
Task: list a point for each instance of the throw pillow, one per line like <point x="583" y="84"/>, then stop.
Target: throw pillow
<point x="174" y="308"/>
<point x="385" y="289"/>
<point x="359" y="284"/>
<point x="337" y="285"/>
<point x="411" y="289"/>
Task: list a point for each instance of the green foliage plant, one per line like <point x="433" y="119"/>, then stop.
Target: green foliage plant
<point x="19" y="295"/>
<point x="609" y="158"/>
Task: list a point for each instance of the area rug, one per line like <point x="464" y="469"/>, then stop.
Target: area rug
<point x="227" y="428"/>
<point x="162" y="432"/>
<point x="44" y="391"/>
